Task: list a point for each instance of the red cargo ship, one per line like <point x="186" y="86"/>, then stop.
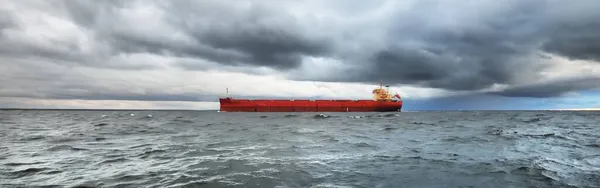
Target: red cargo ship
<point x="382" y="101"/>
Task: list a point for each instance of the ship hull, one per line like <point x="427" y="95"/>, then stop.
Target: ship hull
<point x="246" y="105"/>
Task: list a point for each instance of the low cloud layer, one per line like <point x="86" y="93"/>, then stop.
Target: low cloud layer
<point x="551" y="89"/>
<point x="109" y="50"/>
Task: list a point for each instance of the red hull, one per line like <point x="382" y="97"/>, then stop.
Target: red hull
<point x="246" y="105"/>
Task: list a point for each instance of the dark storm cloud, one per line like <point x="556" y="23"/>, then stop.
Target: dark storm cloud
<point x="472" y="49"/>
<point x="213" y="31"/>
<point x="576" y="40"/>
<point x="466" y="61"/>
<point x="472" y="54"/>
<point x="251" y="38"/>
<point x="551" y="89"/>
<point x="273" y="47"/>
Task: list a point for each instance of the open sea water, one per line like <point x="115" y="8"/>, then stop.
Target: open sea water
<point x="44" y="148"/>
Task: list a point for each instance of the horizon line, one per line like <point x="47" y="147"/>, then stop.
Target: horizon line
<point x="166" y="109"/>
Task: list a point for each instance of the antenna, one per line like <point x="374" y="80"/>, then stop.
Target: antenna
<point x="227" y="91"/>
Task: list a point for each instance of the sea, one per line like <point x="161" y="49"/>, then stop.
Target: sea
<point x="94" y="148"/>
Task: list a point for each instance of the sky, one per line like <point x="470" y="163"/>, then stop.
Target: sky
<point x="437" y="54"/>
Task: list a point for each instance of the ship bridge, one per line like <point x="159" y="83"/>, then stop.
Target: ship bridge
<point x="382" y="95"/>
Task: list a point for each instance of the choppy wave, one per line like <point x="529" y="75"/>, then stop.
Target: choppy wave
<point x="209" y="149"/>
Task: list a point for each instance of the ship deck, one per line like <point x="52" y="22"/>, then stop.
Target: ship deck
<point x="305" y="105"/>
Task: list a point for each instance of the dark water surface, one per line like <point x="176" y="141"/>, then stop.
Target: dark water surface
<point x="211" y="149"/>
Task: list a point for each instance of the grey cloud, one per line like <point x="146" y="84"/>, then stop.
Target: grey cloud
<point x="52" y="53"/>
<point x="195" y="64"/>
<point x="87" y="93"/>
<point x="6" y="22"/>
<point x="89" y="13"/>
<point x="271" y="47"/>
<point x="57" y="82"/>
<point x="158" y="96"/>
<point x="576" y="40"/>
<point x="252" y="38"/>
<point x="466" y="61"/>
<point x="211" y="30"/>
<point x="472" y="49"/>
<point x="551" y="89"/>
<point x="61" y="51"/>
<point x="572" y="29"/>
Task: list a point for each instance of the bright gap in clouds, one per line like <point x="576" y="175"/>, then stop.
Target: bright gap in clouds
<point x="14" y="102"/>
